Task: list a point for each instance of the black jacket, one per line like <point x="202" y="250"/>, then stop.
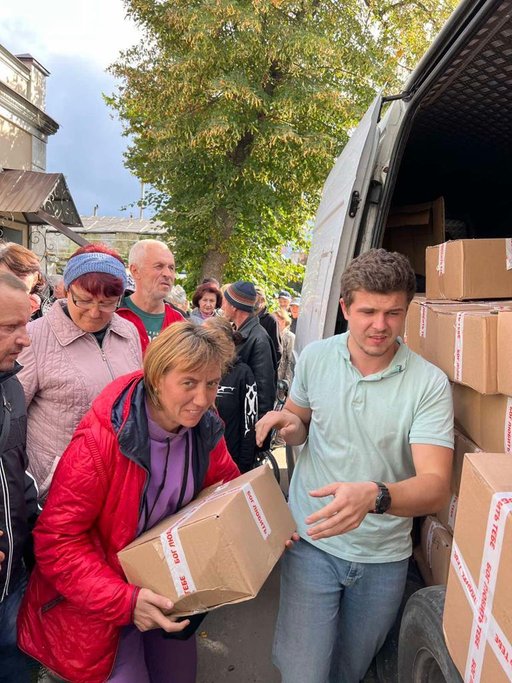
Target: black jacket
<point x="237" y="403"/>
<point x="257" y="350"/>
<point x="18" y="493"/>
<point x="269" y="323"/>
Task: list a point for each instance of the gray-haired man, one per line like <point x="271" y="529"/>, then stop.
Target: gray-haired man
<point x="18" y="496"/>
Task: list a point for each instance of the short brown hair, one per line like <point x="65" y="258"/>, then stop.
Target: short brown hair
<point x="380" y="271"/>
<point x="222" y="324"/>
<point x="188" y="347"/>
<point x="19" y="260"/>
<point x="207" y="287"/>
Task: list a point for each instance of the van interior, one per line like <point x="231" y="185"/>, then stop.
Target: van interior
<point x="458" y="150"/>
<point x="460" y="141"/>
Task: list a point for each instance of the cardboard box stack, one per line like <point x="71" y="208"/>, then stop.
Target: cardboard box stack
<point x="477" y="619"/>
<point x="464" y="326"/>
<point x="469" y="269"/>
<point x="504" y="355"/>
<point x="469" y="341"/>
<point x="218" y="549"/>
<point x="460" y="338"/>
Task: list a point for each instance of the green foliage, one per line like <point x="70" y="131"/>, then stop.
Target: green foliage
<point x="236" y="110"/>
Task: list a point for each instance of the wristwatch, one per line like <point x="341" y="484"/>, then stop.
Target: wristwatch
<point x="383" y="500"/>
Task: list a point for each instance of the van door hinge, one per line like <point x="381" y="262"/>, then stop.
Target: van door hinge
<point x="354" y="203"/>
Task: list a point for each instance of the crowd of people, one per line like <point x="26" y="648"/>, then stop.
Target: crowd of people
<point x="119" y="405"/>
<point x="142" y="413"/>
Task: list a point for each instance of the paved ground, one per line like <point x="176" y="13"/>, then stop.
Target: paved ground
<point x="235" y="642"/>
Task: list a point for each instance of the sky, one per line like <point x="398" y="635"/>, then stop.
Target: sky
<point x="76" y="40"/>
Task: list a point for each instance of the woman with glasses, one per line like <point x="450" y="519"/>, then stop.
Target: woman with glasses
<point x="77" y="348"/>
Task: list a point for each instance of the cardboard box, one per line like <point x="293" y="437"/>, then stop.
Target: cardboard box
<point x="436" y="545"/>
<point x="414" y="334"/>
<point x="504" y="354"/>
<point x="448" y="514"/>
<point x="460" y="338"/>
<point x="477" y="617"/>
<point x="462" y="446"/>
<point x="470" y="269"/>
<point x="422" y="565"/>
<point x="487" y="420"/>
<point x="411" y="229"/>
<point x="218" y="549"/>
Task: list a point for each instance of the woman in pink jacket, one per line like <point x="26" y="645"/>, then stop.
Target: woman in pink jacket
<point x="77" y="348"/>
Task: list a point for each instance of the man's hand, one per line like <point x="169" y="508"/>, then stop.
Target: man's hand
<point x="151" y="611"/>
<point x="2" y="555"/>
<point x="350" y="505"/>
<point x="295" y="537"/>
<point x="291" y="427"/>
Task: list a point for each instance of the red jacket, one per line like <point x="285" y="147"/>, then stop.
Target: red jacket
<point x="78" y="599"/>
<point x="170" y="316"/>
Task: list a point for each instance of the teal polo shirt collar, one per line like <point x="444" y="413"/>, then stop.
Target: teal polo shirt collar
<point x="398" y="362"/>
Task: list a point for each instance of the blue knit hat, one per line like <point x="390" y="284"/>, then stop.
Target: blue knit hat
<point x="93" y="262"/>
<point x="241" y="295"/>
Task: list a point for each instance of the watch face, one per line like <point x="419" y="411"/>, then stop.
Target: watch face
<point x="383" y="501"/>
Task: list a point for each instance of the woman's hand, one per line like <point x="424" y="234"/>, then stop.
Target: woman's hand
<point x="152" y="610"/>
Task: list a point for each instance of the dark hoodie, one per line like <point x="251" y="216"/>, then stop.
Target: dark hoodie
<point x="18" y="493"/>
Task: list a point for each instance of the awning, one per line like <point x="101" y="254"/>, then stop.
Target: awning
<point x="42" y="198"/>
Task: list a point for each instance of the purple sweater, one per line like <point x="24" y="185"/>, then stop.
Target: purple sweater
<point x="171" y="483"/>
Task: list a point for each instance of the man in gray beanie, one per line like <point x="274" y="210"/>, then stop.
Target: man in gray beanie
<point x="256" y="348"/>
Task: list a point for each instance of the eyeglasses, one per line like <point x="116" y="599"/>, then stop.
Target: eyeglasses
<point x="87" y="305"/>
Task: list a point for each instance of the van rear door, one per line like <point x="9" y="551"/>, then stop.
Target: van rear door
<point x="336" y="229"/>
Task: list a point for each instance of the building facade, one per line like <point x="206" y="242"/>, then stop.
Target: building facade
<point x="24" y="124"/>
<point x="114" y="231"/>
<point x="28" y="195"/>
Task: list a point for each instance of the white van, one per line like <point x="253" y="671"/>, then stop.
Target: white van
<point x="446" y="139"/>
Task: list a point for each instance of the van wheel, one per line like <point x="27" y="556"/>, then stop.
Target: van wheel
<point x="422" y="653"/>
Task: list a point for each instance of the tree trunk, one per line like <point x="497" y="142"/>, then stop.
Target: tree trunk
<point x="214" y="264"/>
<point x="217" y="255"/>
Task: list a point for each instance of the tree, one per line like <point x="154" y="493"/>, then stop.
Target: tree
<point x="236" y="110"/>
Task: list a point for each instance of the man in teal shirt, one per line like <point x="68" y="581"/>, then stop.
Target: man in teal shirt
<point x="377" y="422"/>
<point x="153" y="270"/>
